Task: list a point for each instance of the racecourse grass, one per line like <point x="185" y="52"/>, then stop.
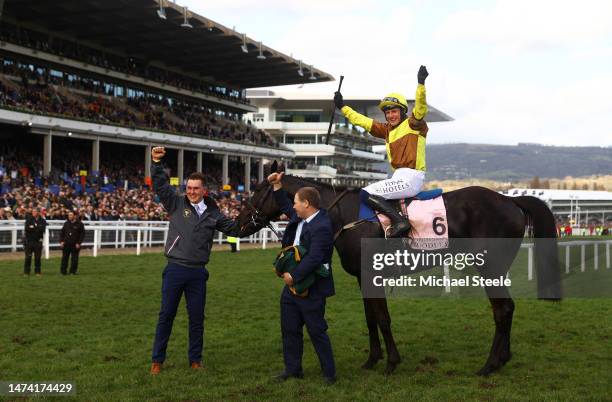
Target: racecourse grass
<point x="96" y="329"/>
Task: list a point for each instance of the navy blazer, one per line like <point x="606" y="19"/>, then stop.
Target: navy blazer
<point x="318" y="237"/>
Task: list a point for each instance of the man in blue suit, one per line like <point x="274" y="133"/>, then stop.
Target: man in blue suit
<point x="310" y="227"/>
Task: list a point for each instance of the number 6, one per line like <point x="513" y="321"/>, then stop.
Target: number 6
<point x="439" y="228"/>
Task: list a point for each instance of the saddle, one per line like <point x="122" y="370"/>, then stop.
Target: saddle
<point x="426" y="214"/>
<point x="367" y="213"/>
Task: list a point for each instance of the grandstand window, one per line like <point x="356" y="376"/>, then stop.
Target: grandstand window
<point x="55" y="73"/>
<point x="298" y="116"/>
<point x="292" y="139"/>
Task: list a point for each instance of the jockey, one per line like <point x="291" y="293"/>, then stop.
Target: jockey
<point x="405" y="140"/>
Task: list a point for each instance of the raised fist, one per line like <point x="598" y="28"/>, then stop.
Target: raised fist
<point x="275" y="178"/>
<point x="422" y="74"/>
<point x="157" y="153"/>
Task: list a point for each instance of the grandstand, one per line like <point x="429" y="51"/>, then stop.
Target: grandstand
<point x="87" y="87"/>
<point x="576" y="207"/>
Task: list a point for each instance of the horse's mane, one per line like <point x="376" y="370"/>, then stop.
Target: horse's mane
<point x="318" y="184"/>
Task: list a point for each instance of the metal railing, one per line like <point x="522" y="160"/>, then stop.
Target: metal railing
<point x="567" y="245"/>
<point x="117" y="234"/>
<point x="146" y="234"/>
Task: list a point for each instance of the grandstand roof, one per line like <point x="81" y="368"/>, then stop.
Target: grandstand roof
<point x="133" y="27"/>
<point x="323" y="102"/>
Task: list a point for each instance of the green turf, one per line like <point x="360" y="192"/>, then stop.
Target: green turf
<point x="96" y="329"/>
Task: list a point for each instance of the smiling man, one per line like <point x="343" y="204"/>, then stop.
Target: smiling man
<point x="404" y="136"/>
<point x="193" y="221"/>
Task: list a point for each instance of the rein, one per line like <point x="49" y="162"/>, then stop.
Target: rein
<point x="350" y="225"/>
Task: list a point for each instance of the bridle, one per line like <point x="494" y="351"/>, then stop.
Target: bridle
<point x="256" y="217"/>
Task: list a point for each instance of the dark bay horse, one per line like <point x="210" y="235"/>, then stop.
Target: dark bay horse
<point x="472" y="212"/>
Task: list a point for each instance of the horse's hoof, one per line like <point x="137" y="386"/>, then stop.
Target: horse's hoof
<point x="506" y="358"/>
<point x="487" y="369"/>
<point x="369" y="364"/>
<point x="390" y="368"/>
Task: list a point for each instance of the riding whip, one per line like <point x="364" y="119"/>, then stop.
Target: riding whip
<point x="331" y="118"/>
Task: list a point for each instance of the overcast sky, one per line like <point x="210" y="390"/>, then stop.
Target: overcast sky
<point x="507" y="71"/>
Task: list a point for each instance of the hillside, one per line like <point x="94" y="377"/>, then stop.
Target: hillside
<point x="520" y="162"/>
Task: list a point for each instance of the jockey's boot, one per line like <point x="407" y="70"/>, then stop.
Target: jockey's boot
<point x="399" y="224"/>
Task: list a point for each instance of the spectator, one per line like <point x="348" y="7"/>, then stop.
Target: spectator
<point x="71" y="238"/>
<point x="34" y="231"/>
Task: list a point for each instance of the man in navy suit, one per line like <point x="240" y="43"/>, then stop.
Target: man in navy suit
<point x="310" y="227"/>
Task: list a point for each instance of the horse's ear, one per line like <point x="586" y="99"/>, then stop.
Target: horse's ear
<point x="274" y="167"/>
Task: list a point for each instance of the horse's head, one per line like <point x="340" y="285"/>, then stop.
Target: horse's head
<point x="260" y="209"/>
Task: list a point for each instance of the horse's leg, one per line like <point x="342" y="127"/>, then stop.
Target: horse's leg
<point x="503" y="309"/>
<point x="375" y="349"/>
<point x="384" y="322"/>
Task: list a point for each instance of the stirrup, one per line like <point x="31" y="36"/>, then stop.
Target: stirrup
<point x="398" y="235"/>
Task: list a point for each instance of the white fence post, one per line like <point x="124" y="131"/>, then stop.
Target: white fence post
<point x="530" y="263"/>
<point x="447" y="287"/>
<point x="138" y="241"/>
<point x="238" y="244"/>
<point x="148" y="236"/>
<point x="607" y="255"/>
<point x="582" y="255"/>
<point x="95" y="243"/>
<point x="567" y="258"/>
<point x="14" y="239"/>
<point x="595" y="257"/>
<point x="46" y="243"/>
<point x="123" y="236"/>
<point x="264" y="240"/>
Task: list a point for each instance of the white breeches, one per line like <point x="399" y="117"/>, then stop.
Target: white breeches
<point x="404" y="183"/>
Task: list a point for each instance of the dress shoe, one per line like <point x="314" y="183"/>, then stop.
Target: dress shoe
<point x="196" y="365"/>
<point x="330" y="380"/>
<point x="156" y="368"/>
<point x="284" y="376"/>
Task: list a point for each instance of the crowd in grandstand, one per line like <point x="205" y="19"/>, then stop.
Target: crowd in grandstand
<point x="119" y="204"/>
<point x="65" y="48"/>
<point x="118" y="192"/>
<point x="34" y="89"/>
